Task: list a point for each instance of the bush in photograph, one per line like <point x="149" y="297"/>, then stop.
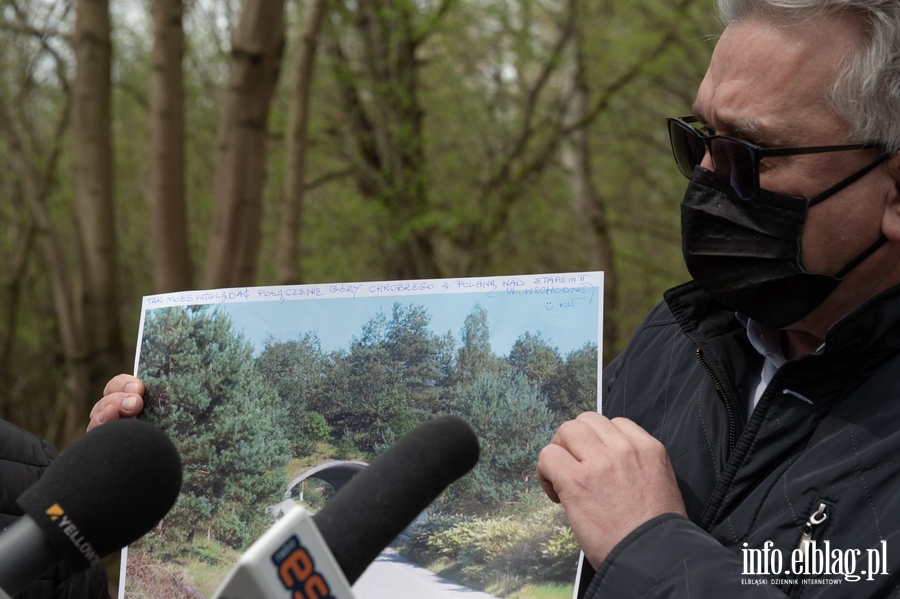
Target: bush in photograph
<point x="482" y="549"/>
<point x="418" y="546"/>
<point x="481" y="552"/>
<point x="560" y="551"/>
<point x="149" y="579"/>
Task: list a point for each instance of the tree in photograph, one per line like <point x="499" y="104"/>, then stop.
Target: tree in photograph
<point x="577" y="389"/>
<point x="204" y="392"/>
<point x="569" y="386"/>
<point x="297" y="371"/>
<point x="476" y="357"/>
<point x="534" y="357"/>
<point x="387" y="382"/>
<point x="369" y="397"/>
<point x="418" y="352"/>
<point x="513" y="423"/>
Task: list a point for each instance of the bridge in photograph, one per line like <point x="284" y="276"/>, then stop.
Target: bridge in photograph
<point x="336" y="473"/>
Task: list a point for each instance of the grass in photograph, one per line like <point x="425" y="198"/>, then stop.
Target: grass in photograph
<point x="544" y="591"/>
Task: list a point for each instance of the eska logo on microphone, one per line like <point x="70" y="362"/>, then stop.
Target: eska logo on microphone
<point x="297" y="572"/>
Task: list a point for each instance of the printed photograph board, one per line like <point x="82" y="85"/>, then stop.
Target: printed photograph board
<point x="279" y="395"/>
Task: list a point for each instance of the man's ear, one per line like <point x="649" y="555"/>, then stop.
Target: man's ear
<point x="890" y="226"/>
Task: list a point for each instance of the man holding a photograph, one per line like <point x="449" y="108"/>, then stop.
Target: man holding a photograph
<point x="750" y="442"/>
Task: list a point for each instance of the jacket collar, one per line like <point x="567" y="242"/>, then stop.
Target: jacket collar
<point x="855" y="346"/>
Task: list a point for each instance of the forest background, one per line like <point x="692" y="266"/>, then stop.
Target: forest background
<point x="163" y="145"/>
<point x="156" y="146"/>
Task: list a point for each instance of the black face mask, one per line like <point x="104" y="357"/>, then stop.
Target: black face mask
<point x="746" y="253"/>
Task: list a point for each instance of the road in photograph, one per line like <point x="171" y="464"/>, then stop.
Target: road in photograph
<point x="393" y="577"/>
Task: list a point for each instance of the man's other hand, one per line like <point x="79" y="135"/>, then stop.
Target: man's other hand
<point x="610" y="476"/>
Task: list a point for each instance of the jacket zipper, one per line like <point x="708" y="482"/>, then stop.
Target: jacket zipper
<point x="732" y="440"/>
<point x="815" y="519"/>
<point x="813" y="524"/>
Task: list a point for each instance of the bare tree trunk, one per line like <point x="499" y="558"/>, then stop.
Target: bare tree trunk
<point x="241" y="159"/>
<point x="71" y="333"/>
<point x="587" y="203"/>
<point x="172" y="270"/>
<point x="385" y="129"/>
<point x="12" y="283"/>
<point x="532" y="148"/>
<point x="96" y="304"/>
<point x="542" y="132"/>
<point x="287" y="249"/>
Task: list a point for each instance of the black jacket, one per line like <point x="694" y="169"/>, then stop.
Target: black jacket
<point x="23" y="458"/>
<point x="824" y="439"/>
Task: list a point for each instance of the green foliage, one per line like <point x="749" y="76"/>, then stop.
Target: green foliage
<point x="560" y="553"/>
<point x="316" y="429"/>
<point x="211" y="553"/>
<point x="513" y="423"/>
<point x="483" y="551"/>
<point x="576" y="391"/>
<point x="472" y="544"/>
<point x="203" y="390"/>
<point x="475" y="66"/>
<point x="388" y="381"/>
<point x="475" y="357"/>
<point x="297" y="370"/>
<point x="435" y="522"/>
<point x="535" y="358"/>
<point x="543" y="591"/>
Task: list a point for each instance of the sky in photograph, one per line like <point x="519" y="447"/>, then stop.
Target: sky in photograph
<point x="566" y="314"/>
<point x="338" y="320"/>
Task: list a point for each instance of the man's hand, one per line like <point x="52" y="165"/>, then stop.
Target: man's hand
<point x="611" y="476"/>
<point x="122" y="398"/>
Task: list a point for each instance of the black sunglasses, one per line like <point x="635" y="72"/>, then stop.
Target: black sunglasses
<point x="735" y="161"/>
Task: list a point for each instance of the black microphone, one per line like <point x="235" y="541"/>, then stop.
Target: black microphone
<point x="106" y="490"/>
<point x="384" y="498"/>
<point x="308" y="554"/>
